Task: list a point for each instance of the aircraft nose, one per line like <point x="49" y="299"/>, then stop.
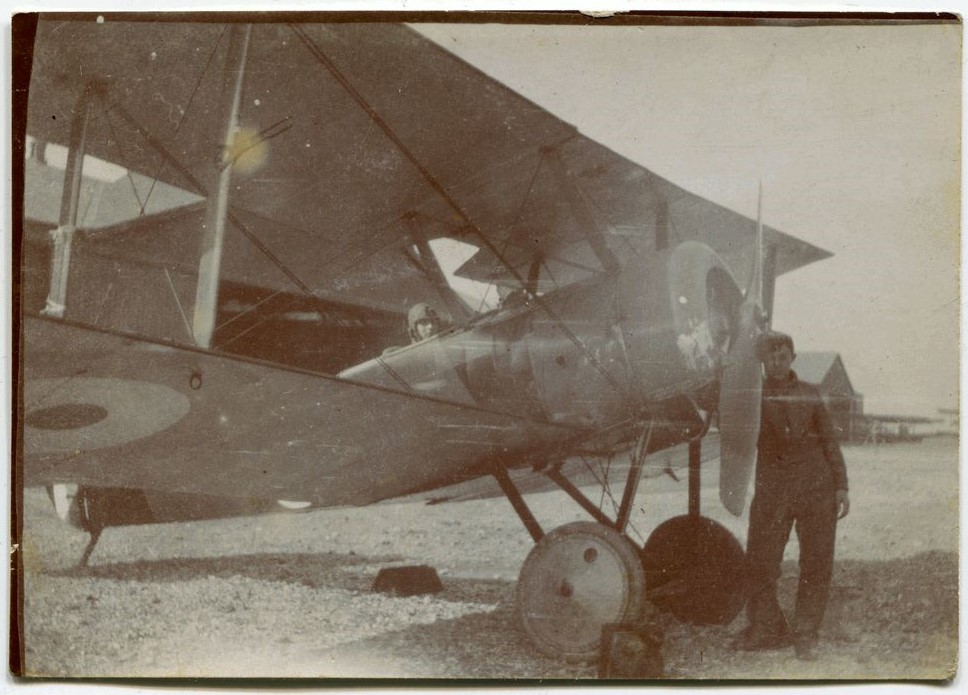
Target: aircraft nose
<point x="716" y="332"/>
<point x="705" y="301"/>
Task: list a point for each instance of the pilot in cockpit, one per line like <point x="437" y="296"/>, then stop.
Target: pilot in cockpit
<point x="423" y="322"/>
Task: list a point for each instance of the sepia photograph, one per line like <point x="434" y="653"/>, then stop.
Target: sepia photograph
<point x="519" y="347"/>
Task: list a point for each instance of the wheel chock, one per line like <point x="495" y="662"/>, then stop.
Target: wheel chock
<point x="631" y="651"/>
<point x="411" y="580"/>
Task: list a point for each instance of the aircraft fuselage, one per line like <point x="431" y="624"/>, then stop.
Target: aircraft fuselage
<point x="528" y="381"/>
<point x="588" y="355"/>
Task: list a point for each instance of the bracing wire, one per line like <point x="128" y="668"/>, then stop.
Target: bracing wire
<point x="602" y="482"/>
<point x="190" y="178"/>
<point x="247" y="311"/>
<point x="603" y="214"/>
<point x="325" y="61"/>
<point x="117" y="144"/>
<point x="184" y="114"/>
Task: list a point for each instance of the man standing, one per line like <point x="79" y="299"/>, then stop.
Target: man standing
<point x="801" y="482"/>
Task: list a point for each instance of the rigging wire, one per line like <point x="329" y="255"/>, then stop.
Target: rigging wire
<point x="160" y="148"/>
<point x="368" y="108"/>
<point x="550" y="273"/>
<point x="276" y="261"/>
<point x="520" y="211"/>
<point x="601" y="481"/>
<point x="325" y="61"/>
<point x="169" y="158"/>
<point x="184" y="114"/>
<point x="393" y="373"/>
<point x="257" y="324"/>
<point x="247" y="311"/>
<point x="174" y="292"/>
<point x="542" y="155"/>
<point x="201" y="190"/>
<point x="603" y="215"/>
<point x="117" y="144"/>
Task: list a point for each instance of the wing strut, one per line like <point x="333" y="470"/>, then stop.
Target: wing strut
<point x="428" y="263"/>
<point x="206" y="293"/>
<point x="63" y="236"/>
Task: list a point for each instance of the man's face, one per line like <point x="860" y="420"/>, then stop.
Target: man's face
<point x="777" y="363"/>
<point x="425" y="328"/>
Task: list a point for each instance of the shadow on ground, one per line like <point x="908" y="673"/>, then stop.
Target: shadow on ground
<point x="350" y="572"/>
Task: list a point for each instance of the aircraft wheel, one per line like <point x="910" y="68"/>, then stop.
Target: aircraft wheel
<point x="694" y="569"/>
<point x="576" y="579"/>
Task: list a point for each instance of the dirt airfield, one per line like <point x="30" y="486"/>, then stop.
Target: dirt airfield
<point x="288" y="595"/>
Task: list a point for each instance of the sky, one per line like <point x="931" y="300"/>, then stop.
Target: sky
<point x="854" y="132"/>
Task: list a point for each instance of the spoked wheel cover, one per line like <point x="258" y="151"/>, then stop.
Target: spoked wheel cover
<point x="694" y="569"/>
<point x="576" y="579"/>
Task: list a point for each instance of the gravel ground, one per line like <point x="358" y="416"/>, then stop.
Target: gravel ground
<point x="289" y="594"/>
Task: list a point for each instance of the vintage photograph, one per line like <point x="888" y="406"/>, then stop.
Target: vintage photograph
<point x="486" y="346"/>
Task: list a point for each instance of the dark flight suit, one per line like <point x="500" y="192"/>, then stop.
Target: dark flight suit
<point x="799" y="468"/>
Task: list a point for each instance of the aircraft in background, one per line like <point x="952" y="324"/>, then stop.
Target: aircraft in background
<point x="226" y="356"/>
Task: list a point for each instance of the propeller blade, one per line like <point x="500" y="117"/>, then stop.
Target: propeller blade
<point x="741" y="387"/>
<point x="739" y="410"/>
<point x="754" y="289"/>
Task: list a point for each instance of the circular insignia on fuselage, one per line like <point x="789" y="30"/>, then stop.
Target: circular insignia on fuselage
<point x="84" y="413"/>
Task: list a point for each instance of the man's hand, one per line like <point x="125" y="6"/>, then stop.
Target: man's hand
<point x="843" y="503"/>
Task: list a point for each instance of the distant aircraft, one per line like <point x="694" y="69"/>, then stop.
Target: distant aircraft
<point x="185" y="362"/>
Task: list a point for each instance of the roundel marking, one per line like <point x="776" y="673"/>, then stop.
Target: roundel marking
<point x="85" y="413"/>
<point x="66" y="416"/>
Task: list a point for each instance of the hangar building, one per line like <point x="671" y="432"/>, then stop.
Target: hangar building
<point x="846" y="406"/>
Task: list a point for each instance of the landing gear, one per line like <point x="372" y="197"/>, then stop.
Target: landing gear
<point x="577" y="579"/>
<point x="586" y="575"/>
<point x="693" y="565"/>
<point x="694" y="569"/>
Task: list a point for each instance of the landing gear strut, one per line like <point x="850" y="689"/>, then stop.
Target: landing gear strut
<point x="95" y="537"/>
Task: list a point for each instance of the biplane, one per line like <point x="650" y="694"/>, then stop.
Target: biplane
<point x="222" y="352"/>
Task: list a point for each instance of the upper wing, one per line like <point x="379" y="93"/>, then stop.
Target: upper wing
<point x="360" y="134"/>
<point x="325" y="188"/>
<point x="105" y="410"/>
